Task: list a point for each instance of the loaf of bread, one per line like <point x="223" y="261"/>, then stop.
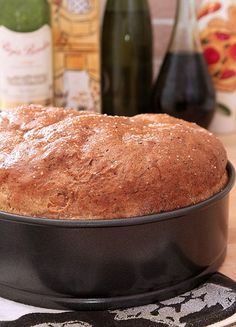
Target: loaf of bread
<point x="65" y="164"/>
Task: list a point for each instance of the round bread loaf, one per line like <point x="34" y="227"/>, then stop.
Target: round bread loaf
<point x="61" y="163"/>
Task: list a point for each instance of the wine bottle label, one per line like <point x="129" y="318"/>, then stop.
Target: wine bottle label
<point x="75" y="25"/>
<point x="26" y="67"/>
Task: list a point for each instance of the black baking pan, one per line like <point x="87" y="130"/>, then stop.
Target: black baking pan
<point x="101" y="264"/>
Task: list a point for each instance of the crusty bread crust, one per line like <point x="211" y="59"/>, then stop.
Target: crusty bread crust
<point x="60" y="163"/>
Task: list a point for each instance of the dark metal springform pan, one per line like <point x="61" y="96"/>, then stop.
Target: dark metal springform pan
<point x="93" y="265"/>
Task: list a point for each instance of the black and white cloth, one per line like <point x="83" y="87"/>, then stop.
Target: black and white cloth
<point x="211" y="304"/>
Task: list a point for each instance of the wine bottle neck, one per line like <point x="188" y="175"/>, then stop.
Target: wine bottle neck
<point x="185" y="36"/>
<point x="24" y="15"/>
<point x="127" y="5"/>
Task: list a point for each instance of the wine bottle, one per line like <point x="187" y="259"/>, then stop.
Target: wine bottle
<point x="184" y="88"/>
<point x="76" y="40"/>
<point x="126" y="57"/>
<point x="25" y="53"/>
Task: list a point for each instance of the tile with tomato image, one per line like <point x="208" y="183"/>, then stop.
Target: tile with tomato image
<point x="208" y="8"/>
<point x="219" y="42"/>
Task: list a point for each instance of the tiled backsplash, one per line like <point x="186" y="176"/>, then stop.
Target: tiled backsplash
<point x="163" y="13"/>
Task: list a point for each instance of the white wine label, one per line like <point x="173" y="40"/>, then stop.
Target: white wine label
<point x="26" y="67"/>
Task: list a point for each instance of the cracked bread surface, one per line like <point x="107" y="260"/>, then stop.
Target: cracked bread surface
<point x="63" y="164"/>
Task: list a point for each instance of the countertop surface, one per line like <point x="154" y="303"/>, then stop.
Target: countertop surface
<point x="229" y="266"/>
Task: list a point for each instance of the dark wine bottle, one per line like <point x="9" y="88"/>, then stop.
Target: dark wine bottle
<point x="126" y="57"/>
<point x="184" y="88"/>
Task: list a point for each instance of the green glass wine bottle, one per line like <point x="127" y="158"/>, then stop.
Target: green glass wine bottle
<point x="26" y="51"/>
<point x="126" y="57"/>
